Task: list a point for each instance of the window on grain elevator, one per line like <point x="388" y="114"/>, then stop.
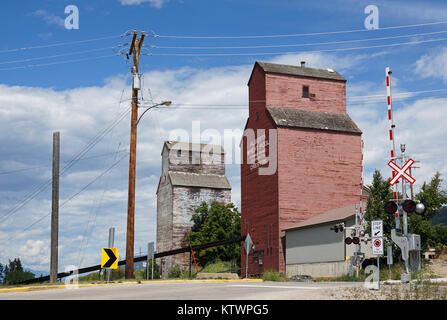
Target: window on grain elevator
<point x="305" y="91"/>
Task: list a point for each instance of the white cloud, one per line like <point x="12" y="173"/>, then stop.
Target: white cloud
<point x="433" y="64"/>
<point x="154" y="3"/>
<point x="49" y="18"/>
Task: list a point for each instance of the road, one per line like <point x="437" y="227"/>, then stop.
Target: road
<point x="193" y="290"/>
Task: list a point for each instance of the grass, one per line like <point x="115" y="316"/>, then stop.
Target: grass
<point x="272" y="275"/>
<point x="217" y="267"/>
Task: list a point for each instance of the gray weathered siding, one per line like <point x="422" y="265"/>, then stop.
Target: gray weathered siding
<point x="314" y="244"/>
<point x="176" y="204"/>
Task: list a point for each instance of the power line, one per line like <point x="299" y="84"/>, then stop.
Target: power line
<point x="60" y="62"/>
<point x="294" y="45"/>
<point x="298" y="34"/>
<point x="241" y="106"/>
<point x="77" y="193"/>
<point x="74" y="160"/>
<point x="56" y="56"/>
<point x="49" y="165"/>
<point x="61" y="44"/>
<point x="293" y="52"/>
<point x="95" y="209"/>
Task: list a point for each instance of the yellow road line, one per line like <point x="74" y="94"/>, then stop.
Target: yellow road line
<point x="82" y="285"/>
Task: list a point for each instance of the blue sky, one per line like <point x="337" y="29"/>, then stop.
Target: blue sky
<point x="81" y="98"/>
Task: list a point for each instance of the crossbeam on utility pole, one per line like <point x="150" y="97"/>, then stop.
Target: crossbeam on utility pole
<point x="55" y="209"/>
<point x="134" y="50"/>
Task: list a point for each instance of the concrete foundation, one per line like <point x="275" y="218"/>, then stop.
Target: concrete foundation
<point x="319" y="269"/>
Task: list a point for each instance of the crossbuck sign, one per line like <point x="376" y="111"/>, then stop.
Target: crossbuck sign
<point x="400" y="172"/>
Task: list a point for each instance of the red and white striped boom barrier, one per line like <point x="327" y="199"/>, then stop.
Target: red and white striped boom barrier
<point x="391" y="135"/>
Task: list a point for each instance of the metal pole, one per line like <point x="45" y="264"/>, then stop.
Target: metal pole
<point x="55" y="208"/>
<point x="111" y="244"/>
<point x="147" y="266"/>
<point x="246" y="263"/>
<point x="357" y="246"/>
<point x="404" y="191"/>
<point x="378" y="270"/>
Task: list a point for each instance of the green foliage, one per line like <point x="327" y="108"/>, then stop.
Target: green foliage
<point x="18" y="276"/>
<point x="13" y="273"/>
<point x="213" y="223"/>
<point x="273" y="275"/>
<point x="434" y="198"/>
<point x="142" y="273"/>
<point x="175" y="272"/>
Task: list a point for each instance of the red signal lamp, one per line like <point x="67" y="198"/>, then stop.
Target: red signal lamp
<point x="409" y="206"/>
<point x="390" y="207"/>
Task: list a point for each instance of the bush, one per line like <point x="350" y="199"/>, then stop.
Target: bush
<point x="18" y="276"/>
<point x="175" y="272"/>
<point x="273" y="275"/>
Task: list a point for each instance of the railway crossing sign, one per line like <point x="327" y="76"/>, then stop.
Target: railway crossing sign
<point x="109" y="258"/>
<point x="377" y="246"/>
<point x="401" y="172"/>
<point x="377" y="234"/>
<point x="377" y="228"/>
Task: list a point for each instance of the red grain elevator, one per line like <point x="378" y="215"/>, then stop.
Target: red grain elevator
<point x="301" y="156"/>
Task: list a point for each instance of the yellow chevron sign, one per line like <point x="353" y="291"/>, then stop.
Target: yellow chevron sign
<point x="109" y="258"/>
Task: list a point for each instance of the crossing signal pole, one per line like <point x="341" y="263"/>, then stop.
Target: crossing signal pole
<point x="134" y="50"/>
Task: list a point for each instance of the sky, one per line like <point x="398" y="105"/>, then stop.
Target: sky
<point x="199" y="55"/>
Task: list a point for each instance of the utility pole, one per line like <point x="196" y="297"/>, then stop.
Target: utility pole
<point x="55" y="208"/>
<point x="134" y="50"/>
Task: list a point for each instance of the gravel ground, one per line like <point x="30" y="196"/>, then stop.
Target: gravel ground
<point x="413" y="291"/>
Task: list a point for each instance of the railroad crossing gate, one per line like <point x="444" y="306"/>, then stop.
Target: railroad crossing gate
<point x="109" y="258"/>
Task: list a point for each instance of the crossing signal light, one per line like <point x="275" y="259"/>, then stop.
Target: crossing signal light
<point x="390" y="207"/>
<point x="354" y="240"/>
<point x="409" y="206"/>
<point x="338" y="228"/>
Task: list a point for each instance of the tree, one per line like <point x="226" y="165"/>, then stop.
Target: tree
<point x="434" y="199"/>
<point x="13" y="272"/>
<point x="379" y="193"/>
<point x="430" y="194"/>
<point x="213" y="223"/>
<point x="18" y="276"/>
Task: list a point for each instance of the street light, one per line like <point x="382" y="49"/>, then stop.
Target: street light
<point x="164" y="103"/>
